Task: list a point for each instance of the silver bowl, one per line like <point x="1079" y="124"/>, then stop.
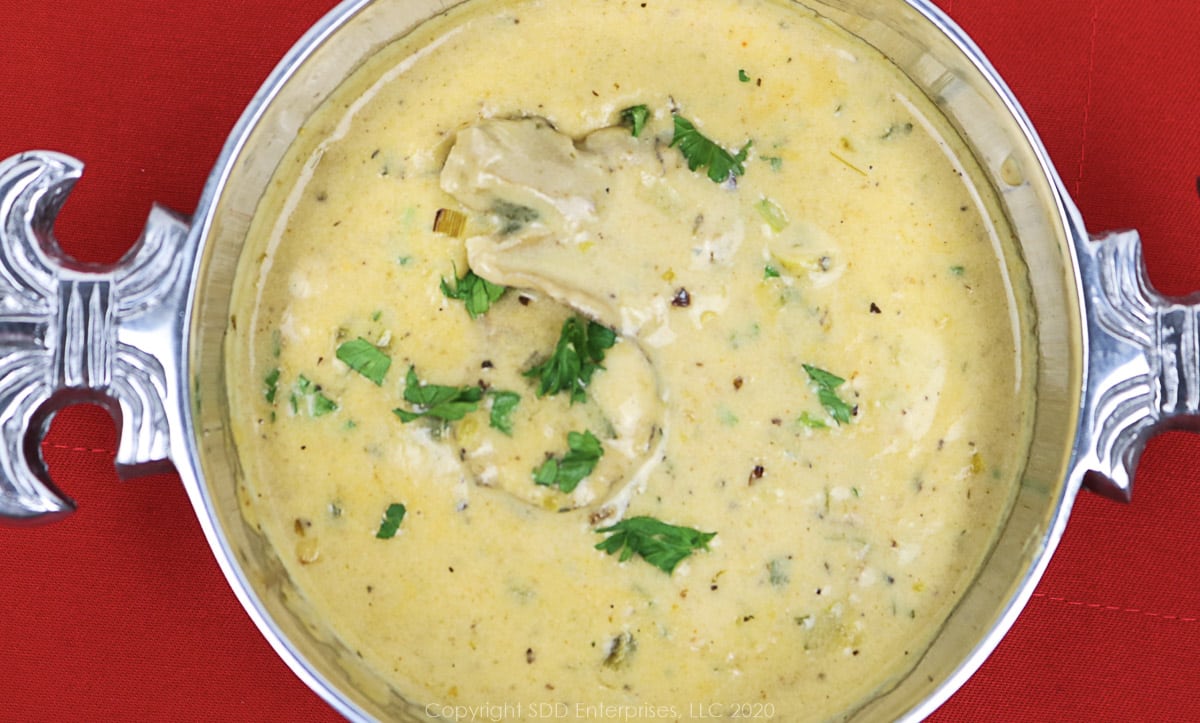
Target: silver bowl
<point x="1117" y="361"/>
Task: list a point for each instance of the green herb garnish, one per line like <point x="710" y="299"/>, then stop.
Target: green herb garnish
<point x="635" y="117"/>
<point x="770" y="272"/>
<point x="568" y="472"/>
<point x="271" y="385"/>
<point x="577" y="356"/>
<point x="503" y="404"/>
<point x="392" y="518"/>
<point x="307" y="398"/>
<point x="659" y="543"/>
<point x="436" y="401"/>
<point x="700" y="151"/>
<point x="811" y="422"/>
<point x="477" y="293"/>
<point x="742" y="76"/>
<point x="827" y="385"/>
<point x="365" y="358"/>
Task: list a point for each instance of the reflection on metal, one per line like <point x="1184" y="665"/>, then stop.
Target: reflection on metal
<point x="1143" y="366"/>
<point x="72" y="332"/>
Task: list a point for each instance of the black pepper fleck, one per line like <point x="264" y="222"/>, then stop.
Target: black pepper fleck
<point x="757" y="473"/>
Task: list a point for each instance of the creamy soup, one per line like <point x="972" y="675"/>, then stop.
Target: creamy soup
<point x="653" y="360"/>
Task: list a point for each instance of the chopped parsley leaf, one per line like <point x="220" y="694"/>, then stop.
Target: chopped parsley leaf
<point x="635" y="117"/>
<point x="307" y="398"/>
<point x="568" y="472"/>
<point x="827" y="385"/>
<point x="271" y="385"/>
<point x="436" y="401"/>
<point x="742" y="76"/>
<point x="659" y="543"/>
<point x="365" y="358"/>
<point x="503" y="404"/>
<point x="392" y="518"/>
<point x="811" y="422"/>
<point x="477" y="293"/>
<point x="576" y="357"/>
<point x="700" y="151"/>
<point x="770" y="272"/>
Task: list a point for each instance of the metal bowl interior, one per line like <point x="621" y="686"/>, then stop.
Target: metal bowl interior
<point x="938" y="58"/>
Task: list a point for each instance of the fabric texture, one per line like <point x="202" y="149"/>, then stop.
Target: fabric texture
<point x="120" y="612"/>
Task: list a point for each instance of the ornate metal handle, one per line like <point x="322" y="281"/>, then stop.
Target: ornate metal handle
<point x="73" y="332"/>
<point x="1144" y="362"/>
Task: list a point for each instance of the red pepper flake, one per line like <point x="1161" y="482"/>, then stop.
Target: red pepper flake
<point x="682" y="298"/>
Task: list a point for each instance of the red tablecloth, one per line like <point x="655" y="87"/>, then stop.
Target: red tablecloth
<point x="120" y="612"/>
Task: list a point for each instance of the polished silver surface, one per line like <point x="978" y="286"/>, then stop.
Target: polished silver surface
<point x="71" y="332"/>
<point x="1115" y="360"/>
<point x="1144" y="362"/>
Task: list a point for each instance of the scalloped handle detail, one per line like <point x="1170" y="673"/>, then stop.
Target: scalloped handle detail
<point x="1143" y="371"/>
<point x="72" y="332"/>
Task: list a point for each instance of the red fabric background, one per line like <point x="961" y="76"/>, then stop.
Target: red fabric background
<point x="120" y="613"/>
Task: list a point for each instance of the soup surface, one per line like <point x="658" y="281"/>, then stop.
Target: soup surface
<point x="651" y="360"/>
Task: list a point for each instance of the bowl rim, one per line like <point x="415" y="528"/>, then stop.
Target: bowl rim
<point x="185" y="433"/>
